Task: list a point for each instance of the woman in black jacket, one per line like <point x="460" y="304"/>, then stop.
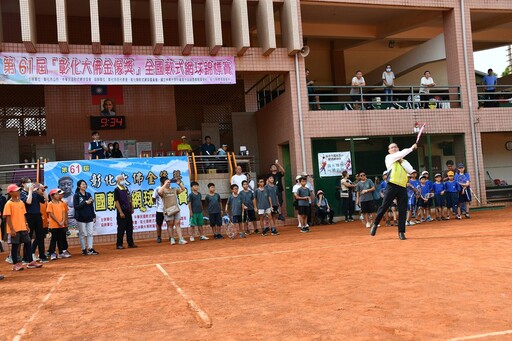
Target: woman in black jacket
<point x="85" y="216"/>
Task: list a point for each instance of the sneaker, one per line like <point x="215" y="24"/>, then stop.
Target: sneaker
<point x="368" y="225"/>
<point x="350" y="219"/>
<point x="17" y="267"/>
<point x="396" y="223"/>
<point x="467" y="215"/>
<point x="388" y="223"/>
<point x="265" y="231"/>
<point x="411" y="223"/>
<point x="429" y="218"/>
<point x="281" y="217"/>
<point x="158" y="239"/>
<point x="418" y="221"/>
<point x="133" y="246"/>
<point x="361" y="217"/>
<point x="247" y="232"/>
<point x="8" y="259"/>
<point x="274" y="232"/>
<point x="44" y="260"/>
<point x="34" y="265"/>
<point x="53" y="256"/>
<point x="458" y="217"/>
<point x="220" y="236"/>
<point x="438" y="219"/>
<point x="422" y="220"/>
<point x="447" y="218"/>
<point x="256" y="231"/>
<point x="92" y="252"/>
<point x="182" y="241"/>
<point x="203" y="237"/>
<point x="120" y="247"/>
<point x="407" y="223"/>
<point x="65" y="254"/>
<point x="304" y="230"/>
<point x="172" y="241"/>
<point x="192" y="238"/>
<point x="242" y="235"/>
<point x="34" y="257"/>
<point x="84" y="252"/>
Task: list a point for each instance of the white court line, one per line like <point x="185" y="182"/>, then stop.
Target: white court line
<point x="479" y="336"/>
<point x="200" y="314"/>
<point x="23" y="329"/>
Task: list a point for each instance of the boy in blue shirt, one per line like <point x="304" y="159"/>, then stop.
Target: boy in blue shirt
<point x="439" y="193"/>
<point x="414" y="184"/>
<point x="465" y="192"/>
<point x="196" y="212"/>
<point x="235" y="204"/>
<point x="430" y="201"/>
<point x="423" y="199"/>
<point x="248" y="207"/>
<point x="263" y="204"/>
<point x="452" y="196"/>
<point x="214" y="209"/>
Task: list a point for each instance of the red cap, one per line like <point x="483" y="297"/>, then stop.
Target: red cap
<point x="13" y="188"/>
<point x="56" y="190"/>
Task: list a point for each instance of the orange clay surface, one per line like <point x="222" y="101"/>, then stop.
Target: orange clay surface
<point x="447" y="281"/>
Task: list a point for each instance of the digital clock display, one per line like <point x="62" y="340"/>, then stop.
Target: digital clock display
<point x="108" y="122"/>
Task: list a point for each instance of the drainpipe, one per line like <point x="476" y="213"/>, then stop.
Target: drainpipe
<point x="470" y="99"/>
<point x="299" y="107"/>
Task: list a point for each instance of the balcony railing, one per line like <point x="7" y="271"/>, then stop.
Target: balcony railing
<point x="500" y="97"/>
<point x="376" y="98"/>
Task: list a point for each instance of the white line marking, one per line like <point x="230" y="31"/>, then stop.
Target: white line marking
<point x="23" y="329"/>
<point x="479" y="336"/>
<point x="200" y="314"/>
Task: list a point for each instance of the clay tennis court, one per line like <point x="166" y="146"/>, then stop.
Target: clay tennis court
<point x="448" y="281"/>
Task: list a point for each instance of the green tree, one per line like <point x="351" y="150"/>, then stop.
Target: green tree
<point x="506" y="72"/>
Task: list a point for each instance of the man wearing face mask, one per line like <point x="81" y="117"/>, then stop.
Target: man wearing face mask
<point x="388" y="80"/>
<point x="32" y="201"/>
<point x="123" y="202"/>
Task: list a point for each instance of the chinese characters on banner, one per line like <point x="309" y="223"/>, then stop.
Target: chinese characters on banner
<point x="59" y="69"/>
<point x="333" y="164"/>
<point x="142" y="177"/>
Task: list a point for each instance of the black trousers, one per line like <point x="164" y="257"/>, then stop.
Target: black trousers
<point x="58" y="240"/>
<point x="24" y="238"/>
<point x="124" y="225"/>
<point x="323" y="214"/>
<point x="348" y="207"/>
<point x="35" y="223"/>
<point x="391" y="192"/>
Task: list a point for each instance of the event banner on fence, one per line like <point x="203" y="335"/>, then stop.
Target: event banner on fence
<point x="333" y="164"/>
<point x="83" y="69"/>
<point x="142" y="176"/>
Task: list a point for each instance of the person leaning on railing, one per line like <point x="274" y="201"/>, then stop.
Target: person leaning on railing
<point x="490" y="81"/>
<point x="357" y="83"/>
<point x="426" y="82"/>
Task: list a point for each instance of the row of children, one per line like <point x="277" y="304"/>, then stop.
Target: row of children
<point x="20" y="218"/>
<point x="451" y="193"/>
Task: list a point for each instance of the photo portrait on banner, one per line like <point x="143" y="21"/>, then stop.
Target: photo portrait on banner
<point x="334" y="163"/>
<point x="142" y="177"/>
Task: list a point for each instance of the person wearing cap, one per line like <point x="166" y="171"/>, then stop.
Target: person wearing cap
<point x="32" y="200"/>
<point x="397" y="168"/>
<point x="430" y="201"/>
<point x="462" y="177"/>
<point x="439" y="196"/>
<point x="452" y="195"/>
<point x="184" y="148"/>
<point x="424" y="190"/>
<point x="323" y="210"/>
<point x="222" y="150"/>
<point x="58" y="221"/>
<point x="412" y="194"/>
<point x="414" y="183"/>
<point x="14" y="215"/>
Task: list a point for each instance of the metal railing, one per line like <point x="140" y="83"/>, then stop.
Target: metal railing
<point x="268" y="88"/>
<point x="376" y="97"/>
<point x="11" y="174"/>
<point x="213" y="164"/>
<point x="500" y="96"/>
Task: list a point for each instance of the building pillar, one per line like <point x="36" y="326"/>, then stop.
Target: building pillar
<point x="126" y="18"/>
<point x="157" y="26"/>
<point x="290" y="27"/>
<point x="185" y="24"/>
<point x="240" y="26"/>
<point x="95" y="26"/>
<point x="266" y="28"/>
<point x="62" y="25"/>
<point x="213" y="25"/>
<point x="28" y="25"/>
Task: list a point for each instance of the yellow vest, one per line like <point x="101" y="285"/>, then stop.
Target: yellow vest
<point x="398" y="175"/>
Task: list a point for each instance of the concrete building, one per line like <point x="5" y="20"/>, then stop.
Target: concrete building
<point x="267" y="109"/>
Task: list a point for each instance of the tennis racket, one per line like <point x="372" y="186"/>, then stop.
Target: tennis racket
<point x="429" y="196"/>
<point x="420" y="132"/>
<point x="462" y="182"/>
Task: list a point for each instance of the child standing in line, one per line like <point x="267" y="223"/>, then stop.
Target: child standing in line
<point x="465" y="191"/>
<point x="452" y="196"/>
<point x="16" y="224"/>
<point x="214" y="209"/>
<point x="234" y="204"/>
<point x="248" y="205"/>
<point x="57" y="219"/>
<point x="302" y="196"/>
<point x="411" y="203"/>
<point x="439" y="191"/>
<point x="415" y="184"/>
<point x="423" y="200"/>
<point x="429" y="205"/>
<point x="196" y="211"/>
<point x="274" y="204"/>
<point x="263" y="205"/>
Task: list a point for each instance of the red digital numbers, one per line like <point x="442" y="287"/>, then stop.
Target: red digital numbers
<point x="104" y="122"/>
<point x="113" y="122"/>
